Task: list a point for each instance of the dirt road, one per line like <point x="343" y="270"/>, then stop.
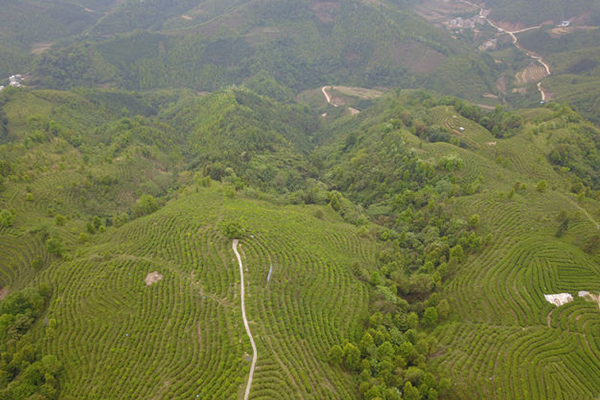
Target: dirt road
<point x="255" y="356"/>
<point x="327" y="96"/>
<point x="516" y="43"/>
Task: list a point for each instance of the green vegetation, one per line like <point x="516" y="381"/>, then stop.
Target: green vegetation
<point x="362" y="236"/>
<point x="398" y="250"/>
<point x="573" y="57"/>
<point x="24" y="372"/>
<point x="274" y="47"/>
<point x="534" y="12"/>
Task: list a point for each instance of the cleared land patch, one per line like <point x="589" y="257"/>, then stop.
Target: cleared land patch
<point x="152" y="278"/>
<point x="39" y="48"/>
<point x="534" y="72"/>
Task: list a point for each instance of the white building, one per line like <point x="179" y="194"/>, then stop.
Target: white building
<point x="15" y="80"/>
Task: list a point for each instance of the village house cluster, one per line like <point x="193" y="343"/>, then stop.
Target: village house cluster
<point x="467" y="23"/>
<point x="14" y="81"/>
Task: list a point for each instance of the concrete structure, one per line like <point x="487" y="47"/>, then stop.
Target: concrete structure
<point x="15" y="80"/>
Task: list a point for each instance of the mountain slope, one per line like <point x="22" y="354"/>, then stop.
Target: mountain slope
<point x="300" y="44"/>
<point x="385" y="251"/>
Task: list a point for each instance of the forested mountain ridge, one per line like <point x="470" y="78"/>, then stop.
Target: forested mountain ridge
<point x="541" y="51"/>
<point x="204" y="45"/>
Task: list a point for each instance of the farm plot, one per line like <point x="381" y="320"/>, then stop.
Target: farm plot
<point x="512" y="343"/>
<point x="534" y="72"/>
<point x="183" y="336"/>
<point x="180" y="337"/>
<point x="472" y="134"/>
<point x="516" y="363"/>
<point x="297" y="315"/>
<point x="20" y="258"/>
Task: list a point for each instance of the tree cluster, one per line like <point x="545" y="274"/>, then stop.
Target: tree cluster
<point x="24" y="372"/>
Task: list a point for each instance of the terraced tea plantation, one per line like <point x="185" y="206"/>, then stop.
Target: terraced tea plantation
<point x="183" y="336"/>
<point x="405" y="251"/>
<point x="507" y="341"/>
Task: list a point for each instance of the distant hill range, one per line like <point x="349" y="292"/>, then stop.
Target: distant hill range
<point x="565" y="35"/>
<point x="288" y="46"/>
<point x="207" y="44"/>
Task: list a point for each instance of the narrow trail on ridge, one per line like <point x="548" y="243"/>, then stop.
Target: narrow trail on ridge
<point x="255" y="356"/>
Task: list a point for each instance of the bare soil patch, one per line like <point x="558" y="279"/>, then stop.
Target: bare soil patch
<point x="561" y="31"/>
<point x="534" y="72"/>
<point x="510" y="26"/>
<point x="548" y="95"/>
<point x="39" y="48"/>
<point x="438" y="11"/>
<point x="362" y="93"/>
<point x="501" y="84"/>
<point x="3" y="293"/>
<point x="152" y="278"/>
<point x="595" y="298"/>
<point x="583" y="19"/>
<point x="559" y="299"/>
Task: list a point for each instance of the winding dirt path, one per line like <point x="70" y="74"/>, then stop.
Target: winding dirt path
<point x="521" y="48"/>
<point x="327" y="96"/>
<point x="517" y="45"/>
<point x="255" y="356"/>
<point x="549" y="318"/>
<point x="588" y="216"/>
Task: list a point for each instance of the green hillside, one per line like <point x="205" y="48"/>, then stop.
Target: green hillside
<point x="276" y="199"/>
<point x="537" y="11"/>
<point x="30" y="26"/>
<point x="574" y="60"/>
<point x="404" y="251"/>
<point x="507" y="341"/>
<point x="523" y="44"/>
<point x="183" y="335"/>
<point x="298" y="45"/>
